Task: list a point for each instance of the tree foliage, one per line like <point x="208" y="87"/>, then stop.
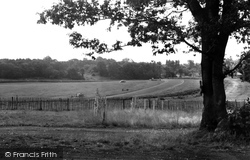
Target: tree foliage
<point x="158" y="22"/>
<point x="239" y="120"/>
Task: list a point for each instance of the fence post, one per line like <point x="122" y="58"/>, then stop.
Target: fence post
<point x="154" y="101"/>
<point x="104" y="111"/>
<point x="16" y="107"/>
<point x="149" y="103"/>
<point x="68" y="105"/>
<point x="132" y="103"/>
<point x="12" y="103"/>
<point x="162" y="104"/>
<point x="135" y="102"/>
<point x="145" y="104"/>
<point x="96" y="105"/>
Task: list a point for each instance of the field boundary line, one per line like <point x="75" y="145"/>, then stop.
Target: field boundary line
<point x="175" y="85"/>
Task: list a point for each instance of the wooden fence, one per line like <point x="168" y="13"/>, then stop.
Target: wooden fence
<point x="69" y="104"/>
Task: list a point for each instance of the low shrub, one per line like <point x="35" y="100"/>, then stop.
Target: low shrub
<point x="239" y="120"/>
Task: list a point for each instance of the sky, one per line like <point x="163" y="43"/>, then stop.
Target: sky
<point x="22" y="37"/>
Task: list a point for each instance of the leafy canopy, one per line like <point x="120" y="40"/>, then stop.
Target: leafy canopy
<point x="159" y="22"/>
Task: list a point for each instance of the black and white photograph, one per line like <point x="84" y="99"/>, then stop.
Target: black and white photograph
<point x="125" y="80"/>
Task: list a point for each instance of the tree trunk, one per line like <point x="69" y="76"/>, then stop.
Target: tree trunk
<point x="214" y="98"/>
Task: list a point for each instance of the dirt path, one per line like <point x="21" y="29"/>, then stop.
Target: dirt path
<point x="237" y="90"/>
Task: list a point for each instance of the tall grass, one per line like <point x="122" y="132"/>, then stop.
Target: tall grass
<point x="153" y="118"/>
<point x="137" y="118"/>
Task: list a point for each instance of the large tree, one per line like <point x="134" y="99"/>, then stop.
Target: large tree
<point x="159" y="22"/>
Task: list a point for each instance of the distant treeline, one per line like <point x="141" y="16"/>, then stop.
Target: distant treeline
<point x="49" y="68"/>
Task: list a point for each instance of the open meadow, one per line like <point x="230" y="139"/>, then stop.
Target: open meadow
<point x="106" y="88"/>
<point x="68" y="89"/>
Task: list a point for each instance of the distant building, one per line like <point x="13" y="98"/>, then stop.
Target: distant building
<point x="238" y="75"/>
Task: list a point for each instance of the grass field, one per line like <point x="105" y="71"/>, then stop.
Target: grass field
<point x="136" y="118"/>
<point x="67" y="89"/>
<point x="106" y="88"/>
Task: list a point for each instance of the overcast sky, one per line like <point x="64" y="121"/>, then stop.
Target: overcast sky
<point x="22" y="37"/>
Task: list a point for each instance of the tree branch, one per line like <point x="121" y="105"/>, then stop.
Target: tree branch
<point x="236" y="66"/>
<point x="177" y="12"/>
<point x="197" y="49"/>
<point x="192" y="46"/>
